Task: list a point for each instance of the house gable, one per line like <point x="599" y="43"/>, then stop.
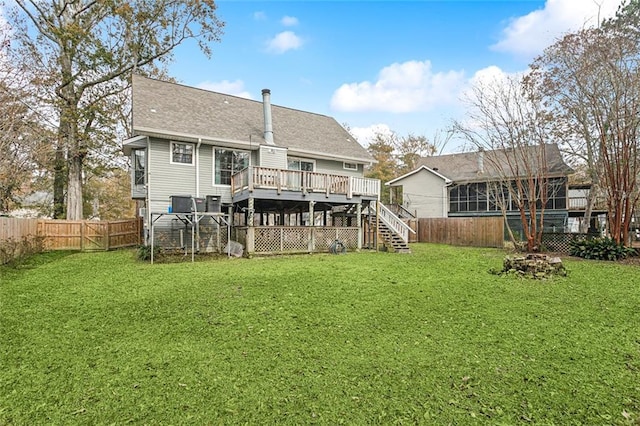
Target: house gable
<point x="424" y="192"/>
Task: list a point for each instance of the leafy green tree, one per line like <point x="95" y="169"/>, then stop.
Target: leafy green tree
<point x="386" y="166"/>
<point x="396" y="155"/>
<point x="79" y="55"/>
<point x="23" y="141"/>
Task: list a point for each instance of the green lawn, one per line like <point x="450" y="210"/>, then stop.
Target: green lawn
<point x="361" y="338"/>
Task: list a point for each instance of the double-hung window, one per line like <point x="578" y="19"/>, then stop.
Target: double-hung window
<point x="181" y="153"/>
<point x="228" y="162"/>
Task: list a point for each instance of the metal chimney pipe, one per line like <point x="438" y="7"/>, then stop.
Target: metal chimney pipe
<point x="481" y="160"/>
<point x="268" y="124"/>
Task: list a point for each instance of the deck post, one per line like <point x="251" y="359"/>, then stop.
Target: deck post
<point x="250" y="178"/>
<point x="250" y="229"/>
<point x="359" y="219"/>
<point x="312" y="223"/>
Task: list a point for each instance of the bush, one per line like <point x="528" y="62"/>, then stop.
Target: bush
<point x="15" y="252"/>
<point x="600" y="249"/>
<point x="144" y="252"/>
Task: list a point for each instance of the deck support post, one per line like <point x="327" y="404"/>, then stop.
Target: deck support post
<point x="359" y="219"/>
<point x="312" y="222"/>
<point x="250" y="229"/>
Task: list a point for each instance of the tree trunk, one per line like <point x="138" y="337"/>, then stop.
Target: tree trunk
<point x="59" y="177"/>
<point x="75" y="158"/>
<point x="74" y="191"/>
<point x="586" y="224"/>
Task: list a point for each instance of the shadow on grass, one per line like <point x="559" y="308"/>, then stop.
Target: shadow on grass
<point x="37" y="260"/>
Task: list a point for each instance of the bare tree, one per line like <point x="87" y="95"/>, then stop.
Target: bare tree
<point x="80" y="54"/>
<point x="512" y="130"/>
<point x="591" y="83"/>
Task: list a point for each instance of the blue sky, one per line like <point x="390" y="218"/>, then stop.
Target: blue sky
<point x="391" y="65"/>
<point x="385" y="65"/>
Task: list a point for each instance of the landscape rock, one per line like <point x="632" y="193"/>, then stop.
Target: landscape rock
<point x="537" y="266"/>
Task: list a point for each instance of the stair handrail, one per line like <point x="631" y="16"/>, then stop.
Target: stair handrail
<point x="399" y="210"/>
<point x="393" y="222"/>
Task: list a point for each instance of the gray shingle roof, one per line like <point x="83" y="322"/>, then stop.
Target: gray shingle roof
<point x="465" y="167"/>
<point x="160" y="106"/>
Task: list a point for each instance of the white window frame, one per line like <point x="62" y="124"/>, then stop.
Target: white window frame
<point x="134" y="161"/>
<point x="193" y="153"/>
<point x="304" y="160"/>
<point x="345" y="165"/>
<point x="213" y="165"/>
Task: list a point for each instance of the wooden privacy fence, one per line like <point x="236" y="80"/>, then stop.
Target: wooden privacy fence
<point x="74" y="234"/>
<point x="13" y="228"/>
<point x="467" y="231"/>
<point x="89" y="235"/>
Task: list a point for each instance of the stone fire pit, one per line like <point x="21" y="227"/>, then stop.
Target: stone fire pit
<point x="538" y="266"/>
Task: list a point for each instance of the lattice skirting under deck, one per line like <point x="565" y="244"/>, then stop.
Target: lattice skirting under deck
<point x="301" y="239"/>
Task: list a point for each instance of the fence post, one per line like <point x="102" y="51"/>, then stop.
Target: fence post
<point x="82" y="235"/>
<point x="108" y="239"/>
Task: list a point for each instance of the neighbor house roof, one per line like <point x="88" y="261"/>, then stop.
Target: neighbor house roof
<point x="483" y="165"/>
<point x="166" y="109"/>
<point x="419" y="169"/>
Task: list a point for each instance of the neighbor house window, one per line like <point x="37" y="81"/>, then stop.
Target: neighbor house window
<point x="471" y="197"/>
<point x="181" y="153"/>
<point x="350" y="166"/>
<point x="557" y="194"/>
<point x="228" y="162"/>
<point x="298" y="164"/>
<point x="139" y="163"/>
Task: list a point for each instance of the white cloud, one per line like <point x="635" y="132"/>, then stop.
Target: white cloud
<point x="489" y="75"/>
<point x="289" y="21"/>
<point x="407" y="87"/>
<point x="488" y="78"/>
<point x="528" y="35"/>
<point x="235" y="88"/>
<point x="365" y="135"/>
<point x="284" y="41"/>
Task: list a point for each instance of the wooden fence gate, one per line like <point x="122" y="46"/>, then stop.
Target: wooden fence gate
<point x="95" y="236"/>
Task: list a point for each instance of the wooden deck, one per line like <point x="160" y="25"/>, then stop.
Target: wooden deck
<point x="280" y="180"/>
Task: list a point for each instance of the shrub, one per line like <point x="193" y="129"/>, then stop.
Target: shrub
<point x="15" y="252"/>
<point x="144" y="252"/>
<point x="599" y="249"/>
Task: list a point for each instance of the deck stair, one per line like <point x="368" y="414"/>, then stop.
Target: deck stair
<point x="393" y="239"/>
<point x="392" y="229"/>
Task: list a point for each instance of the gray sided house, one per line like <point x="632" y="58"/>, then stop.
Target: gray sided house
<point x="460" y="185"/>
<point x="262" y="173"/>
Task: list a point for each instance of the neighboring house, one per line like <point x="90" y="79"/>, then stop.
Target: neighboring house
<point x="460" y="185"/>
<point x="267" y="171"/>
<point x="34" y="205"/>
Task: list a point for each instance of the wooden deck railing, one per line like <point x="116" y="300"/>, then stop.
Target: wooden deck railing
<point x="580" y="203"/>
<point x="295" y="180"/>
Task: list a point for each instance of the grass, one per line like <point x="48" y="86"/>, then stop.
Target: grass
<point x="361" y="338"/>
